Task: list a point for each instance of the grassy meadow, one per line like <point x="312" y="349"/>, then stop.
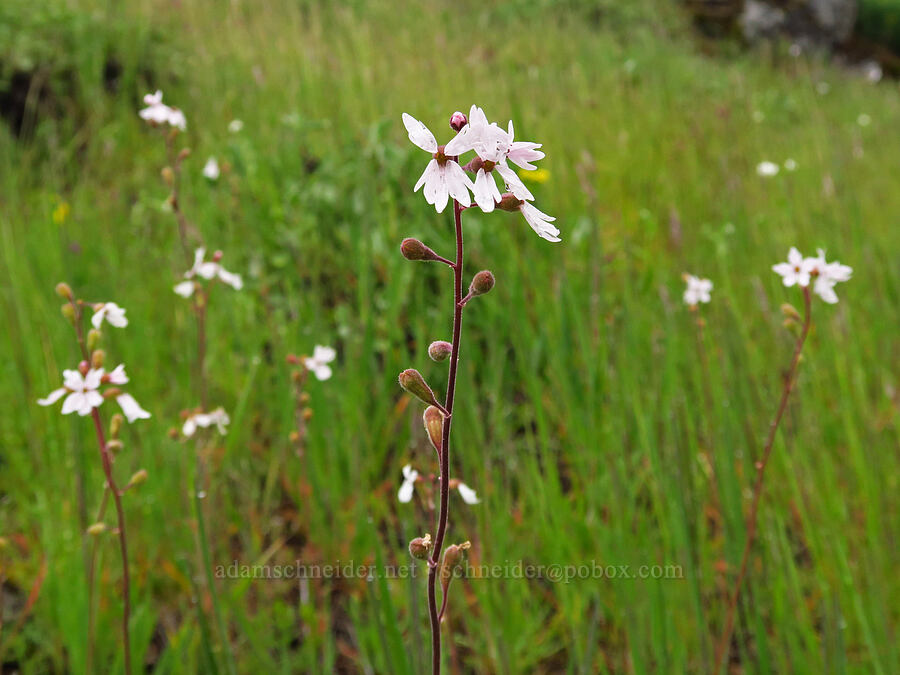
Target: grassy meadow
<point x="596" y="423"/>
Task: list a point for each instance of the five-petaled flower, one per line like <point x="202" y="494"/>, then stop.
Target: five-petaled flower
<point x="206" y="270"/>
<point x="318" y="362"/>
<point x="824" y="275"/>
<point x="158" y="113"/>
<point x="111" y="313"/>
<point x="443" y="177"/>
<point x="82" y="391"/>
<point x="795" y="270"/>
<point x="697" y="290"/>
<point x="201" y="420"/>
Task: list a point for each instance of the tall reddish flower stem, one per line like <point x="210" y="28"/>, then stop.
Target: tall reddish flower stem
<point x="106" y="457"/>
<point x="725" y="640"/>
<point x="445" y="448"/>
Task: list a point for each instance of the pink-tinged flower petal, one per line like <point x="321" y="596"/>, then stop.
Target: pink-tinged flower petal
<point x="426" y="175"/>
<point x="74" y="402"/>
<point x="93" y="378"/>
<point x="118" y="376"/>
<point x="92" y="399"/>
<point x="189" y="427"/>
<point x="233" y="280"/>
<point x="73" y="380"/>
<point x="513" y="182"/>
<point x="405" y="493"/>
<point x="468" y="494"/>
<point x="485" y="191"/>
<point x="153" y="99"/>
<point x="53" y="396"/>
<point x="459" y="144"/>
<point x="419" y="134"/>
<point x="322" y="372"/>
<point x="185" y="289"/>
<point x="458" y="183"/>
<point x="540" y="222"/>
<point x="130" y="407"/>
<point x="324" y="354"/>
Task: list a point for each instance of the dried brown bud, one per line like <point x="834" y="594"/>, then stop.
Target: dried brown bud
<point x="185" y="153"/>
<point x="97" y="357"/>
<point x="439" y="350"/>
<point x="434" y="425"/>
<point x="173" y="433"/>
<point x="413" y="249"/>
<point x="452" y="557"/>
<point x="482" y="283"/>
<point x="413" y="382"/>
<point x="307" y="414"/>
<point x="96" y="528"/>
<point x="64" y="291"/>
<point x="458" y="120"/>
<point x="304" y="398"/>
<point x="420" y="547"/>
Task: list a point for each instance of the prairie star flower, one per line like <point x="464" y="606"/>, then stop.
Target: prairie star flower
<point x="200" y="420"/>
<point x="111" y="312"/>
<point x="405" y="493"/>
<point x="796" y="270"/>
<point x="826" y="276"/>
<point x="207" y="270"/>
<point x="158" y="113"/>
<point x="539" y="221"/>
<point x="82" y="392"/>
<point x="443" y="177"/>
<point x="697" y="290"/>
<point x="318" y="362"/>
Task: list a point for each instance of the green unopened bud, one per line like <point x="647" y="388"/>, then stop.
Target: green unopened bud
<point x="482" y="283"/>
<point x="138" y="478"/>
<point x="68" y="311"/>
<point x="97" y="357"/>
<point x="115" y="425"/>
<point x="96" y="529"/>
<point x="413" y="382"/>
<point x="439" y="350"/>
<point x="93" y="339"/>
<point x="64" y="291"/>
<point x="4" y="542"/>
<point x="434" y="425"/>
<point x="420" y="547"/>
<point x="115" y="445"/>
<point x="790" y="312"/>
<point x="413" y="249"/>
<point x="452" y="557"/>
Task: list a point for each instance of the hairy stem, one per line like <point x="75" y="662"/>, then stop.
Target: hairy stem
<point x="725" y="640"/>
<point x="445" y="449"/>
<point x="106" y="457"/>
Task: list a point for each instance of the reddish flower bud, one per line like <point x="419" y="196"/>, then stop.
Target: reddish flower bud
<point x="452" y="557"/>
<point x="413" y="249"/>
<point x="413" y="382"/>
<point x="482" y="283"/>
<point x="217" y="256"/>
<point x="509" y="202"/>
<point x="434" y="425"/>
<point x="84" y="367"/>
<point x="458" y="120"/>
<point x="439" y="350"/>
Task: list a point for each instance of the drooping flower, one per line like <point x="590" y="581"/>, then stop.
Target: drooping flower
<point x="318" y="362"/>
<point x="697" y="290"/>
<point x="443" y="177"/>
<point x="158" y="113"/>
<point x="826" y="276"/>
<point x="211" y="169"/>
<point x="111" y="312"/>
<point x="796" y="270"/>
<point x="207" y="270"/>
<point x="468" y="494"/>
<point x="539" y="221"/>
<point x="767" y="169"/>
<point x="405" y="493"/>
<point x="133" y="411"/>
<point x="200" y="420"/>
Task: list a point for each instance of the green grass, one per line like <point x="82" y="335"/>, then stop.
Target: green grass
<point x="581" y="418"/>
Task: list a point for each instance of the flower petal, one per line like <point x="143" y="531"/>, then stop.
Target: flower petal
<point x="53" y="396"/>
<point x="419" y="134"/>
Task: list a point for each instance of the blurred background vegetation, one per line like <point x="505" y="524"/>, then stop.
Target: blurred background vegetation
<point x="586" y="420"/>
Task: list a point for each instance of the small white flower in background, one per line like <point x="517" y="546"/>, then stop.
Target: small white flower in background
<point x="217" y="417"/>
<point x="207" y="269"/>
<point x="84" y="393"/>
<point x="795" y="270"/>
<point x="318" y="362"/>
<point x="211" y="169"/>
<point x="790" y="164"/>
<point x="697" y="290"/>
<point x="823" y="88"/>
<point x="863" y="120"/>
<point x="443" y="177"/>
<point x="826" y="276"/>
<point x="234" y="126"/>
<point x="468" y="494"/>
<point x="111" y="312"/>
<point x="767" y="169"/>
<point x="158" y="112"/>
<point x="405" y="493"/>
